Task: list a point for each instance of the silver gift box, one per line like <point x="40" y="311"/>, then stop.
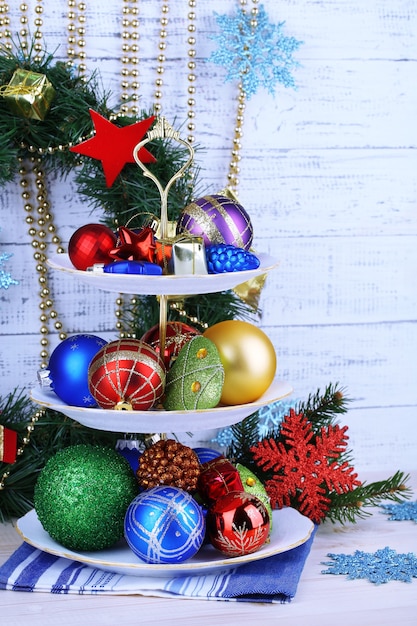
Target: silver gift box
<point x="189" y="256"/>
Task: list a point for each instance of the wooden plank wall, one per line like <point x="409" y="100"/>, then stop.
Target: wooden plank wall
<point x="328" y="176"/>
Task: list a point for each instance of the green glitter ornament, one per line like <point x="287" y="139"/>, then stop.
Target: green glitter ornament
<point x="253" y="485"/>
<point x="82" y="494"/>
<point x="195" y="380"/>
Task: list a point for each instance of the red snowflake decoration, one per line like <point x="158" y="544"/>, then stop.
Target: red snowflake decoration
<point x="307" y="465"/>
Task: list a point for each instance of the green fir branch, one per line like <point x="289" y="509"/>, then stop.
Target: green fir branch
<point x="67" y="121"/>
<point x="350" y="506"/>
<point x="322" y="407"/>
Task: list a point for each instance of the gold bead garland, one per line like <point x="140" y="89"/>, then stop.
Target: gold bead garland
<point x="192" y="67"/>
<point x="161" y="57"/>
<point x="25" y="441"/>
<point x="76" y="36"/>
<point x="130" y="60"/>
<point x="234" y="165"/>
<point x="5" y="33"/>
<point x="33" y="178"/>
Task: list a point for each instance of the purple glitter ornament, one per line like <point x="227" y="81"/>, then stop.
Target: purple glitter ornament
<point x="218" y="220"/>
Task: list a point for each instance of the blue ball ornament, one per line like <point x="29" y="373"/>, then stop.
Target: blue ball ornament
<point x="164" y="525"/>
<point x="206" y="454"/>
<point x="68" y="369"/>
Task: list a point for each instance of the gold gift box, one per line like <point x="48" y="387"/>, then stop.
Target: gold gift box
<point x="29" y="94"/>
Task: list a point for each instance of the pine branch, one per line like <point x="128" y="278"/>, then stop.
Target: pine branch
<point x="348" y="507"/>
<point x="321" y="408"/>
<point x="245" y="435"/>
<point x="67" y="121"/>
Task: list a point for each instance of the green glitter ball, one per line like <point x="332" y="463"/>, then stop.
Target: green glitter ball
<point x="253" y="485"/>
<point x="195" y="380"/>
<point x="82" y="494"/>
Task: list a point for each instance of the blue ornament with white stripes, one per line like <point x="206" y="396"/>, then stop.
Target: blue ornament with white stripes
<point x="164" y="525"/>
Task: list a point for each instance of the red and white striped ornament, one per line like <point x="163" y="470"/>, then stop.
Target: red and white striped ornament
<point x="127" y="374"/>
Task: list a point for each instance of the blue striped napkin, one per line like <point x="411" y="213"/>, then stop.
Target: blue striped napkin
<point x="274" y="579"/>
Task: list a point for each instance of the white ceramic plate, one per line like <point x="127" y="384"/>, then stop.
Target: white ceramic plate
<point x="159" y="421"/>
<point x="289" y="530"/>
<point x="174" y="285"/>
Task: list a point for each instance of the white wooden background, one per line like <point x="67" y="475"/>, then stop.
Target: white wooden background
<point x="328" y="176"/>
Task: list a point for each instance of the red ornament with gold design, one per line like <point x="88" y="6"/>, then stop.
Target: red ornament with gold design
<point x="238" y="523"/>
<point x="127" y="374"/>
<point x="177" y="335"/>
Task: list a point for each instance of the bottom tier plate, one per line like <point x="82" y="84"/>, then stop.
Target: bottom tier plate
<point x="289" y="530"/>
<point x="160" y="421"/>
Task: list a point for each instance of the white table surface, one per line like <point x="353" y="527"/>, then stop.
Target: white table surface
<point x="320" y="600"/>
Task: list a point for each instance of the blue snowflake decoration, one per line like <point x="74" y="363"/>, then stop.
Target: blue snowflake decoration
<point x="259" y="56"/>
<point x="270" y="417"/>
<point x="380" y="567"/>
<point x="400" y="512"/>
<point x="5" y="277"/>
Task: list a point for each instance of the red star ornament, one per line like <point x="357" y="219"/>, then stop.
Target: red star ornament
<point x="113" y="145"/>
<point x="135" y="246"/>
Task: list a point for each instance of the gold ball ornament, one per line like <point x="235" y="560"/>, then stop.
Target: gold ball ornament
<point x="248" y="358"/>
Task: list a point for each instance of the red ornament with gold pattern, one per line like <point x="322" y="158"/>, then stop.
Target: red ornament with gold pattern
<point x="127" y="374"/>
<point x="177" y="335"/>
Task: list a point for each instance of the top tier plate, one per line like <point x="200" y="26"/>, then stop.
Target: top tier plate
<point x="175" y="285"/>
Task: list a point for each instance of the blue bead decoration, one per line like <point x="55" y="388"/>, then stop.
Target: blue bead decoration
<point x="260" y="56"/>
<point x="402" y="511"/>
<point x="164" y="525"/>
<point x="68" y="369"/>
<point x="380" y="567"/>
<point x="223" y="258"/>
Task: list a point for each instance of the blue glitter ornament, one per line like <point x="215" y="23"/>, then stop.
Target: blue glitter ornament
<point x="379" y="567"/>
<point x="164" y="525"/>
<point x="226" y="258"/>
<point x="67" y="372"/>
<point x="258" y="56"/>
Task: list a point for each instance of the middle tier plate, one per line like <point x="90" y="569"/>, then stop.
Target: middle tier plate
<point x="169" y="285"/>
<point x="159" y="420"/>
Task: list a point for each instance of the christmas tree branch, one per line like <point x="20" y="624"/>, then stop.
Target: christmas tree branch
<point x="322" y="407"/>
<point x="348" y="507"/>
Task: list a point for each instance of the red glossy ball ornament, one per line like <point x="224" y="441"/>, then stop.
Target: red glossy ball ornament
<point x="177" y="335"/>
<point x="127" y="374"/>
<point x="91" y="244"/>
<point x="218" y="477"/>
<point x="238" y="523"/>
